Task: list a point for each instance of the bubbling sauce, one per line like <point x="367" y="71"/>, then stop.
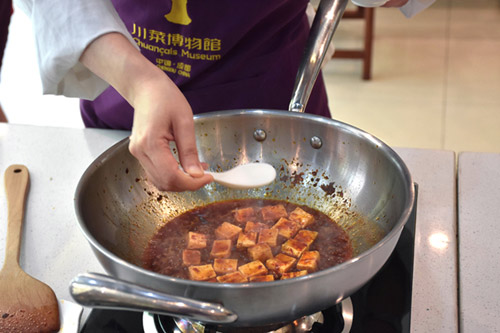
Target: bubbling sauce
<point x="247" y="240"/>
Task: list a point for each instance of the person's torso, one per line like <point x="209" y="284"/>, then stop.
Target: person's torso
<point x="222" y="54"/>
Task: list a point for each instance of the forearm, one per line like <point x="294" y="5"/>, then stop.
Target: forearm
<point x="114" y="59"/>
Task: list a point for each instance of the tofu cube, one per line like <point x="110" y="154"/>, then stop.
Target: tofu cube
<point x="261" y="278"/>
<point x="191" y="257"/>
<point x="286" y="227"/>
<point x="273" y="213"/>
<point x="234" y="277"/>
<point x="301" y="216"/>
<point x="196" y="241"/>
<point x="260" y="252"/>
<point x="255" y="226"/>
<point x="291" y="275"/>
<point x="269" y="237"/>
<point x="306" y="236"/>
<point x="253" y="268"/>
<point x="294" y="248"/>
<point x="227" y="231"/>
<point x="244" y="214"/>
<point x="224" y="266"/>
<point x="246" y="239"/>
<point x="201" y="272"/>
<point x="309" y="261"/>
<point x="280" y="264"/>
<point x="221" y="249"/>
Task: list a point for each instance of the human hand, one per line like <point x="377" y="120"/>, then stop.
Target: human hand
<point x="161" y="113"/>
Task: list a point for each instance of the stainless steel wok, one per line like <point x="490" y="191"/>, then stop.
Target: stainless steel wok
<point x="340" y="170"/>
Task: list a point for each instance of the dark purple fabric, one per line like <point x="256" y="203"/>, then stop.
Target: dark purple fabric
<point x="252" y="50"/>
<point x="5" y="14"/>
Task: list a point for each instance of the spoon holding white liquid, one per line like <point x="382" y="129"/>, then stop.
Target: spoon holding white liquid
<point x="246" y="176"/>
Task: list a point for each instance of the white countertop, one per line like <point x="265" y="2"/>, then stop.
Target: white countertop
<point x="479" y="241"/>
<point x="434" y="299"/>
<point x="54" y="250"/>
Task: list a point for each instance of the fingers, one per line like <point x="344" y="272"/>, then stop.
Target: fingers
<point x="186" y="145"/>
<point x="162" y="115"/>
<point x="162" y="168"/>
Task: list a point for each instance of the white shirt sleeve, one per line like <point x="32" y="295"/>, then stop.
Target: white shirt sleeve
<point x="410" y="9"/>
<point x="413" y="7"/>
<point x="62" y="31"/>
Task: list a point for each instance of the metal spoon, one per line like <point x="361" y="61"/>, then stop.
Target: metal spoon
<point x="246" y="176"/>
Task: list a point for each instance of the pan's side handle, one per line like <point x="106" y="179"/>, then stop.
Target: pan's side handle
<point x="323" y="27"/>
<point x="102" y="291"/>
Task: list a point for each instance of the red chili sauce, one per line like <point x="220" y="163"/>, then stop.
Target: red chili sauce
<point x="165" y="252"/>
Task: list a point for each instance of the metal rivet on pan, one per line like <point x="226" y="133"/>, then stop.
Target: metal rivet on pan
<point x="259" y="135"/>
<point x="316" y="142"/>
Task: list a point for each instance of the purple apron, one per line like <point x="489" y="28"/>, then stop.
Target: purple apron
<point x="222" y="54"/>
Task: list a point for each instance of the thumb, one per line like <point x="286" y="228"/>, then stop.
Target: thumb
<point x="187" y="150"/>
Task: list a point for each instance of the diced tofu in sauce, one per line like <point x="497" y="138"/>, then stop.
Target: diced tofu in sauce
<point x="201" y="272"/>
<point x="261" y="278"/>
<point x="306" y="236"/>
<point x="253" y="268"/>
<point x="224" y="266"/>
<point x="227" y="231"/>
<point x="273" y="213"/>
<point x="309" y="261"/>
<point x="191" y="257"/>
<point x="246" y="239"/>
<point x="294" y="248"/>
<point x="269" y="237"/>
<point x="290" y="275"/>
<point x="221" y="249"/>
<point x="286" y="228"/>
<point x="244" y="214"/>
<point x="234" y="277"/>
<point x="255" y="226"/>
<point x="258" y="239"/>
<point x="196" y="241"/>
<point x="301" y="216"/>
<point x="280" y="264"/>
<point x="260" y="252"/>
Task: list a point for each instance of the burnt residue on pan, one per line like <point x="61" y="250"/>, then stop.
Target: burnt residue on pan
<point x="296" y="182"/>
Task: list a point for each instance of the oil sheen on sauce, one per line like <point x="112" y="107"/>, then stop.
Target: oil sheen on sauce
<point x="164" y="252"/>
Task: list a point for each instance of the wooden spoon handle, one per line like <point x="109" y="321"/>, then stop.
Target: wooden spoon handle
<point x="16" y="186"/>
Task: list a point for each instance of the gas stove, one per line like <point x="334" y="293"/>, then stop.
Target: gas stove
<point x="381" y="305"/>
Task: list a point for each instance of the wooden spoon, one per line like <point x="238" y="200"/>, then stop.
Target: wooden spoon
<point x="26" y="304"/>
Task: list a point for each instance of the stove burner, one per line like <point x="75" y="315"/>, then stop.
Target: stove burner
<point x="337" y="319"/>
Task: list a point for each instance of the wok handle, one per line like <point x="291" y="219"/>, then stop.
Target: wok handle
<point x="106" y="292"/>
<point x="323" y="27"/>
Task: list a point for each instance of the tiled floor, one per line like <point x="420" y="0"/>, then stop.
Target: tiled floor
<point x="435" y="84"/>
<point x="436" y="77"/>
